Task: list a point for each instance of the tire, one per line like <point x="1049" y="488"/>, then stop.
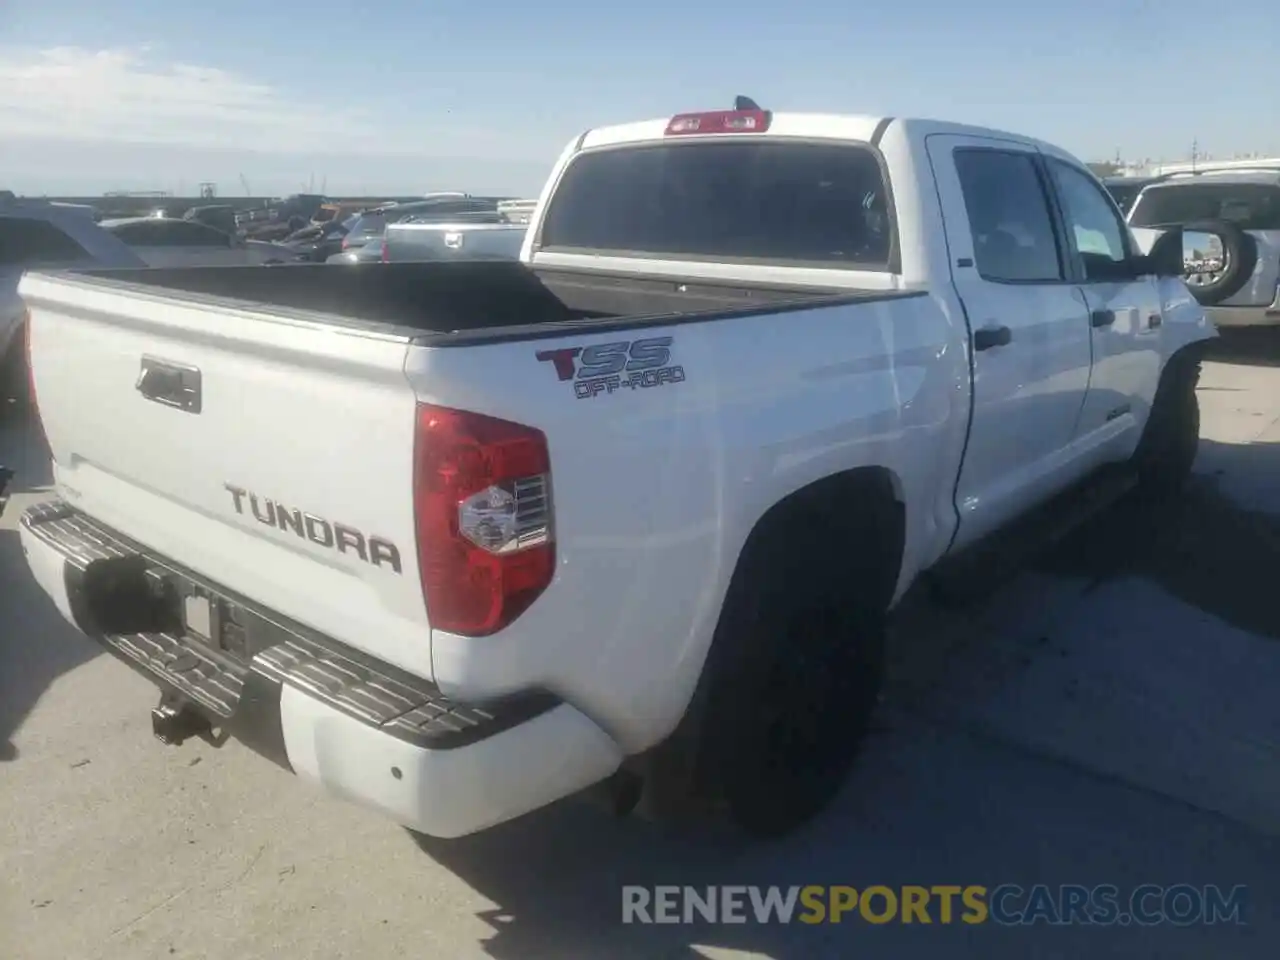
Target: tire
<point x="1167" y="450"/>
<point x="798" y="664"/>
<point x="1240" y="256"/>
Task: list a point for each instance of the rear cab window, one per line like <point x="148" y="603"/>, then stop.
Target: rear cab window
<point x="27" y="240"/>
<point x="369" y="224"/>
<point x="786" y="203"/>
<point x="1250" y="206"/>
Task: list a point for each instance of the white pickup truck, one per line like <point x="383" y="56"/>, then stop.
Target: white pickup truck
<point x="457" y="540"/>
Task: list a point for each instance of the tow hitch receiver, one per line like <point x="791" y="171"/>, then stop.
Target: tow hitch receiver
<point x="5" y="476"/>
<point x="174" y="722"/>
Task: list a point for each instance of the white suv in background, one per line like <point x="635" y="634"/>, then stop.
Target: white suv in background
<point x="40" y="234"/>
<point x="1231" y="238"/>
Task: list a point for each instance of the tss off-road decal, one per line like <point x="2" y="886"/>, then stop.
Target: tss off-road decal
<point x="610" y="367"/>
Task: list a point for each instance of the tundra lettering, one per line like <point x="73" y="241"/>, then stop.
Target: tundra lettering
<point x="317" y="530"/>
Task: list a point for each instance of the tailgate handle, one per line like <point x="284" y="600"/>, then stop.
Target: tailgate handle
<point x="173" y="384"/>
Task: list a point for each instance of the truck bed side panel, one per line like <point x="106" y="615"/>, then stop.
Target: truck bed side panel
<point x="656" y="488"/>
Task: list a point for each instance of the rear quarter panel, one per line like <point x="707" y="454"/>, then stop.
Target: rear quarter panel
<point x="655" y="490"/>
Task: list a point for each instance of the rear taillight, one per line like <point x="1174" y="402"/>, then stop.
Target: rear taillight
<point x="482" y="505"/>
<point x="384" y="256"/>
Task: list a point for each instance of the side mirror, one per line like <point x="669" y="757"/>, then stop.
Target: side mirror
<point x="1166" y="258"/>
<point x="1100" y="268"/>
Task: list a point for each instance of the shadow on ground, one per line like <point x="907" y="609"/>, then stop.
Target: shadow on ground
<point x="1210" y="550"/>
<point x="23" y="450"/>
<point x="935" y="797"/>
<point x="1250" y="346"/>
<point x="36" y="645"/>
<point x="926" y="806"/>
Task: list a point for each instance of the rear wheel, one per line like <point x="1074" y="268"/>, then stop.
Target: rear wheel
<point x="793" y="689"/>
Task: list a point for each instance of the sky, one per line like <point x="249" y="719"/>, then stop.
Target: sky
<point x="406" y="96"/>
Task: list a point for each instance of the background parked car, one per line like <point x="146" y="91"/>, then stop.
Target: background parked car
<point x="336" y="213"/>
<point x="317" y="242"/>
<point x="184" y="243"/>
<point x="453" y="207"/>
<point x="1125" y="190"/>
<point x="220" y="216"/>
<point x="36" y="234"/>
<point x="372" y="252"/>
<point x="414" y="239"/>
<point x="1230" y="222"/>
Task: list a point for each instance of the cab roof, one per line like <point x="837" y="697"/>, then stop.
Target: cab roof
<point x="863" y="128"/>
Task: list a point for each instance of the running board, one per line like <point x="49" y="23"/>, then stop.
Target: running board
<point x="974" y="572"/>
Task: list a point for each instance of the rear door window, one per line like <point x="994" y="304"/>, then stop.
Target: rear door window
<point x="1008" y="210"/>
<point x="1250" y="206"/>
<point x="818" y="204"/>
<point x="25" y="241"/>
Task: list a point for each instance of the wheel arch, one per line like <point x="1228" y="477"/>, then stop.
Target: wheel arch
<point x="675" y="770"/>
<point x="868" y="499"/>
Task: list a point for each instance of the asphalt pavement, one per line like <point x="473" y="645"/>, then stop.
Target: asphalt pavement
<point x="1104" y="718"/>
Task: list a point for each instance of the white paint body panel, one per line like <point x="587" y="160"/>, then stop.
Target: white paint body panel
<point x="655" y="492"/>
<point x="446" y="793"/>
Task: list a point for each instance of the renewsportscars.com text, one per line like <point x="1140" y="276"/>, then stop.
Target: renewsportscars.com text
<point x="1004" y="905"/>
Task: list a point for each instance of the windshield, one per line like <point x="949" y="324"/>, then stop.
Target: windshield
<point x="797" y="203"/>
<point x="1250" y="206"/>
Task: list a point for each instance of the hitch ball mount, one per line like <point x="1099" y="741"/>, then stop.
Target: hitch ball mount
<point x="174" y="722"/>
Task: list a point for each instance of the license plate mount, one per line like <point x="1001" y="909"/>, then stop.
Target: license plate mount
<point x="197" y="616"/>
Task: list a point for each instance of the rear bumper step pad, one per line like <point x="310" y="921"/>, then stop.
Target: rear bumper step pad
<point x="130" y="600"/>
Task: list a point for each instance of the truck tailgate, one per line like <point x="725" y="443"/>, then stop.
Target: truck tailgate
<point x="271" y="454"/>
<point x="454" y="241"/>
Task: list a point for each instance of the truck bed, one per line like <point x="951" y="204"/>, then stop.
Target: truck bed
<point x="466" y="302"/>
